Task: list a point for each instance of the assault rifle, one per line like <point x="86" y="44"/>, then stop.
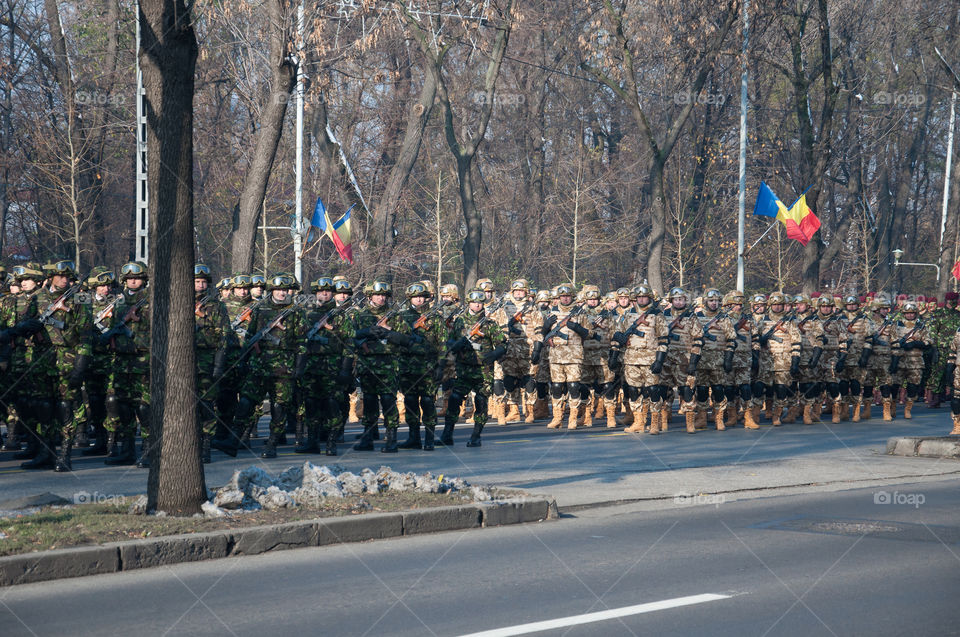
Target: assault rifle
<point x="474" y="331"/>
<point x="122" y="325"/>
<point x="562" y="324"/>
<point x="265" y="331"/>
<point x="333" y="313"/>
<point x="421" y="322"/>
<point x="765" y="338"/>
<point x="47" y="316"/>
<point x="244" y="316"/>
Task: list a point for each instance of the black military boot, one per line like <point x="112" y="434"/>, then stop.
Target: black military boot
<point x="310" y="443"/>
<point x="390" y="441"/>
<point x="112" y="444"/>
<point x="428" y="436"/>
<point x="63" y="463"/>
<point x="82" y="440"/>
<point x="475" y="436"/>
<point x="33" y="446"/>
<point x="331" y="442"/>
<point x="126" y="451"/>
<point x="99" y="442"/>
<point x="205" y="448"/>
<point x="270" y="446"/>
<point x="413" y="438"/>
<point x="366" y="439"/>
<point x="143" y="462"/>
<point x="446" y="437"/>
<point x="45" y="458"/>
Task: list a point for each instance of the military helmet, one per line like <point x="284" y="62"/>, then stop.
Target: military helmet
<point x="565" y="289"/>
<point x="258" y="281"/>
<point x="486" y="285"/>
<point x="712" y="293"/>
<point x="802" y="299"/>
<point x="202" y="271"/>
<point x="610" y="296"/>
<point x="543" y="296"/>
<point x="65" y="267"/>
<point x="282" y="281"/>
<point x="323" y="283"/>
<point x="428" y="286"/>
<point x="341" y="285"/>
<point x="134" y="270"/>
<point x="101" y="275"/>
<point x="476" y="295"/>
<point x="417" y="289"/>
<point x="851" y="299"/>
<point x="624" y="292"/>
<point x="909" y="306"/>
<point x="451" y="290"/>
<point x="519" y="284"/>
<point x="824" y="300"/>
<point x="678" y="292"/>
<point x="226" y="283"/>
<point x="758" y="299"/>
<point x="776" y="298"/>
<point x="378" y="287"/>
<point x="591" y="292"/>
<point x="881" y="300"/>
<point x="30" y="270"/>
<point x="643" y="290"/>
<point x="240" y="280"/>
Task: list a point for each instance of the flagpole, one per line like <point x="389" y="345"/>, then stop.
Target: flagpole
<point x="741" y="206"/>
<point x="298" y="221"/>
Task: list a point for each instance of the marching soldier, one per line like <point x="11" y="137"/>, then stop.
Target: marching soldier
<point x="711" y="357"/>
<point x="477" y="343"/>
<point x="422" y="366"/>
<point x="777" y="334"/>
<point x="566" y="355"/>
<point x="128" y="395"/>
<point x="212" y="340"/>
<point x="907" y="353"/>
<point x="682" y="329"/>
<point x="273" y="342"/>
<point x="859" y="333"/>
<point x="639" y="349"/>
<point x="832" y="361"/>
<point x="739" y="380"/>
<point x="810" y="327"/>
<point x="380" y="337"/>
<point x="512" y="373"/>
<point x="347" y="399"/>
<point x="878" y="370"/>
<point x="595" y="376"/>
<point x="102" y="303"/>
<point x="539" y="359"/>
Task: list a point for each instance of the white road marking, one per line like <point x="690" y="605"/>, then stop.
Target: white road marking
<point x="588" y="618"/>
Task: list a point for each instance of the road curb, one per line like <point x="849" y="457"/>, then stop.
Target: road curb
<point x="924" y="446"/>
<point x="194" y="547"/>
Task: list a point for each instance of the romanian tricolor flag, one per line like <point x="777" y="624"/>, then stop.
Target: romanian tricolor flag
<point x="338" y="232"/>
<point x="800" y="222"/>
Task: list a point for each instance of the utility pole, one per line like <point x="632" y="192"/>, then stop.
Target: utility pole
<point x="141" y="249"/>
<point x="298" y="218"/>
<point x="741" y="204"/>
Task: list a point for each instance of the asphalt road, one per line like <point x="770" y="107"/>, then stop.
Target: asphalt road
<point x="588" y="465"/>
<point x="842" y="563"/>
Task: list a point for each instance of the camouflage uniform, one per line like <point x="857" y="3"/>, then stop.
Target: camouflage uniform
<point x="639" y="345"/>
<point x="273" y="361"/>
<point x="833" y="337"/>
<point x="421" y="368"/>
<point x="98" y="375"/>
<point x="777" y="335"/>
<point x="810" y="328"/>
<point x="682" y="329"/>
<point x="128" y="394"/>
<point x="212" y="340"/>
<point x="68" y="333"/>
<point x="953" y="382"/>
<point x="566" y="359"/>
<point x="742" y="359"/>
<point x="378" y="351"/>
<point x="595" y="375"/>
<point x="907" y="352"/>
<point x="514" y="367"/>
<point x="878" y="371"/>
<point x="475" y="355"/>
<point x="711" y="359"/>
<point x="943" y="330"/>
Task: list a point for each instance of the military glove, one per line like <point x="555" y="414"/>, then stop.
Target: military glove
<point x="79" y="371"/>
<point x="396" y="338"/>
<point x="459" y="345"/>
<point x="300" y="367"/>
<point x="692" y="365"/>
<point x="378" y="331"/>
<point x="548" y="324"/>
<point x="949" y="373"/>
<point x="219" y="364"/>
<point x="894" y="364"/>
<point x="657" y="367"/>
<point x="28" y="327"/>
<point x="815" y="359"/>
<point x="728" y="362"/>
<point x="841" y="363"/>
<point x="864" y="357"/>
<point x="536" y="353"/>
<point x="614" y="360"/>
<point x="438" y="372"/>
<point x="579" y="330"/>
<point x="345" y="375"/>
<point x="755" y="361"/>
<point x="795" y="366"/>
<point x="620" y="338"/>
<point x="494" y="355"/>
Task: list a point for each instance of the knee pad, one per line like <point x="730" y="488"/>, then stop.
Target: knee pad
<point x="666" y="393"/>
<point x="610" y="391"/>
<point x="529" y="384"/>
<point x="855" y="388"/>
<point x="730" y="392"/>
<point x="686" y="393"/>
<point x="913" y="390"/>
<point x="654" y="393"/>
<point x="782" y="391"/>
<point x="633" y="393"/>
<point x="758" y="388"/>
<point x="867" y="390"/>
<point x="833" y="389"/>
<point x="143" y="414"/>
<point x="543" y="389"/>
<point x="447" y="385"/>
<point x="811" y="390"/>
<point x="207" y="410"/>
<point x="43" y="410"/>
<point x="112" y="405"/>
<point x="645" y="392"/>
<point x="498" y="388"/>
<point x="886" y="390"/>
<point x="574" y="390"/>
<point x="510" y="383"/>
<point x="746" y="392"/>
<point x="770" y="391"/>
<point x="718" y="392"/>
<point x="584" y="392"/>
<point x="558" y="390"/>
<point x="427" y="403"/>
<point x="844" y="387"/>
<point x="703" y="393"/>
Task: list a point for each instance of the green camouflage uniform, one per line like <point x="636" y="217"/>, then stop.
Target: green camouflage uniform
<point x="212" y="337"/>
<point x="943" y="326"/>
<point x="377" y="367"/>
<point x="326" y="353"/>
<point x="420" y="369"/>
<point x="128" y="395"/>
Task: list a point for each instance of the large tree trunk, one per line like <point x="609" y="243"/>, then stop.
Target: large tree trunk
<point x="658" y="227"/>
<point x="168" y="55"/>
<point x="273" y="112"/>
<point x="948" y="245"/>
